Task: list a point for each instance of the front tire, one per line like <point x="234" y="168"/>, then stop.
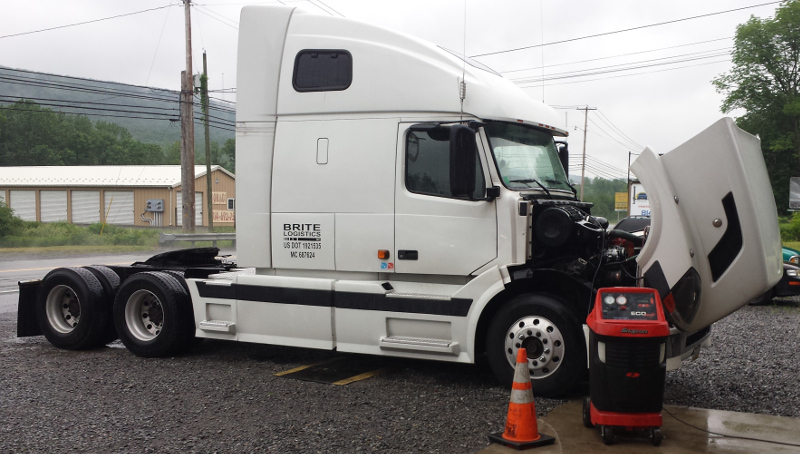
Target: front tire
<point x="153" y="315"/>
<point x="764" y="299"/>
<point x="551" y="336"/>
<point x="70" y="309"/>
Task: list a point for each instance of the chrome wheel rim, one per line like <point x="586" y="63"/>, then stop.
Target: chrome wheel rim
<point x="543" y="342"/>
<point x="144" y="315"/>
<point x="63" y="309"/>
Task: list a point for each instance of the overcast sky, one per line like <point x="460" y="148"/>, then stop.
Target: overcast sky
<point x="665" y="101"/>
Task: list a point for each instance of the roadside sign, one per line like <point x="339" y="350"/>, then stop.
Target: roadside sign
<point x="620" y="201"/>
<point x="794" y="193"/>
<point x="640" y="205"/>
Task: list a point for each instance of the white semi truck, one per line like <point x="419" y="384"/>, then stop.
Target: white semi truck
<point x="397" y="200"/>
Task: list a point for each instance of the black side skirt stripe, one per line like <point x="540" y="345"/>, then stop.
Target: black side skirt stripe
<point x="302" y="297"/>
<point x="456" y="307"/>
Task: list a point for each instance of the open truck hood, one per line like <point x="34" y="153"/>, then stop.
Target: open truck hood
<point x="714" y="242"/>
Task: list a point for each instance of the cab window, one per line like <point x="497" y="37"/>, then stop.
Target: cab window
<point x="428" y="164"/>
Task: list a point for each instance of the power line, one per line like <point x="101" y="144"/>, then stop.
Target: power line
<point x="600" y="164"/>
<point x="216" y="16"/>
<point x="604" y="165"/>
<point x="534" y="85"/>
<point x="672" y="59"/>
<point x="618" y="55"/>
<point x="618" y="145"/>
<point x="625" y="145"/>
<point x="622" y="67"/>
<point x="88" y="114"/>
<point x="326" y="6"/>
<point x="84" y="23"/>
<point x="83" y="79"/>
<point x="91" y="103"/>
<point x="604" y="118"/>
<point x="158" y="44"/>
<point x="154" y="115"/>
<point x="623" y="30"/>
<point x="168" y="95"/>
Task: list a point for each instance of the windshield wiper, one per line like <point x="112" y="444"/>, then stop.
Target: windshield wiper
<point x="533" y="180"/>
<point x="574" y="191"/>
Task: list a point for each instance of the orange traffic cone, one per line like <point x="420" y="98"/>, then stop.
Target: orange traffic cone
<point x="522" y="432"/>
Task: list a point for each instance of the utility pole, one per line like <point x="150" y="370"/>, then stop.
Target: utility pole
<point x="204" y="104"/>
<point x="585" y="125"/>
<point x="187" y="131"/>
<point x="629" y="182"/>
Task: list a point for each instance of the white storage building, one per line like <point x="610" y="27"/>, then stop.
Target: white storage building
<point x="117" y="194"/>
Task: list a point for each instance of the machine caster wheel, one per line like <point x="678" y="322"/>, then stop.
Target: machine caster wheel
<point x="587" y="415"/>
<point x="656" y="436"/>
<point x="607" y="433"/>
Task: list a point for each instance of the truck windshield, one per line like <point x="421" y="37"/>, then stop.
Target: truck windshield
<point x="526" y="157"/>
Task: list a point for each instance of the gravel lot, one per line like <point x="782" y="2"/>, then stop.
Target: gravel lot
<point x="223" y="397"/>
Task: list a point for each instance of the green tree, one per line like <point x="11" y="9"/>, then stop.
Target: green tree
<point x="228" y="155"/>
<point x="9" y="224"/>
<point x="765" y="82"/>
<point x="31" y="135"/>
<point x="600" y="192"/>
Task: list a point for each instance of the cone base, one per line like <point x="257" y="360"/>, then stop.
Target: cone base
<point x="543" y="440"/>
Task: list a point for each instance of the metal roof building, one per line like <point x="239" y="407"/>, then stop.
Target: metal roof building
<point x="123" y="195"/>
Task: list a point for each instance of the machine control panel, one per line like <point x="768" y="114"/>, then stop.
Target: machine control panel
<point x="629" y="306"/>
<point x="628" y="312"/>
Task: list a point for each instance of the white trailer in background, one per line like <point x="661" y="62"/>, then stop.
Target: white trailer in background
<point x="395" y="200"/>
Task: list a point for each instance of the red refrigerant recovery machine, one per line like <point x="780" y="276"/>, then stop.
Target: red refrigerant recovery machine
<point x="627" y="363"/>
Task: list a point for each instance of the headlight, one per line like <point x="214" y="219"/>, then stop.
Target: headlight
<point x="795" y="259"/>
<point x="792" y="273"/>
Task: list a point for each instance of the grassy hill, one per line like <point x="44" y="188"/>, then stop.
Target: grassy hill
<point x="151" y="115"/>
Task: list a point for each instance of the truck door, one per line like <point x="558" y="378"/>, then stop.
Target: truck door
<point x="444" y="224"/>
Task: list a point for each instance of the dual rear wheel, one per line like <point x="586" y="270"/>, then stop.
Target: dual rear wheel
<point x="81" y="308"/>
<point x="153" y="315"/>
<point x="73" y="309"/>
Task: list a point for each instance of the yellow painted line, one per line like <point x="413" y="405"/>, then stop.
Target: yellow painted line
<point x="363" y="376"/>
<point x="54" y="267"/>
<point x="298" y="369"/>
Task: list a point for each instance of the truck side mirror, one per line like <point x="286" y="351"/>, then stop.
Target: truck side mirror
<point x="463" y="161"/>
<point x="563" y="156"/>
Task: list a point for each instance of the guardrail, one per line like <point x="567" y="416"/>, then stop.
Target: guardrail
<point x="169" y="239"/>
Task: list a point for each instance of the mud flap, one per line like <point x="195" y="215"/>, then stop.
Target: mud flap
<point x="27" y="325"/>
<point x="714" y="242"/>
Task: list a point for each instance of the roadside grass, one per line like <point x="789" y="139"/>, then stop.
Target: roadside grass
<point x="62" y="238"/>
<point x="73" y="250"/>
<point x="792" y="244"/>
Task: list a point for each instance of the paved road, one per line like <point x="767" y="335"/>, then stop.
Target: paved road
<point x="15" y="269"/>
<point x="23" y="268"/>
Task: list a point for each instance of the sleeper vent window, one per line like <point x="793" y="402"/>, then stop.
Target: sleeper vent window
<point x="322" y="70"/>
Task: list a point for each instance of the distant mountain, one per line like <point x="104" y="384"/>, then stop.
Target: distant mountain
<point x="151" y="115"/>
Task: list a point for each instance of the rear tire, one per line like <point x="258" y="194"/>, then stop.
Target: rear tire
<point x="70" y="310"/>
<point x="110" y="282"/>
<point x="552" y="337"/>
<point x="587" y="413"/>
<point x="153" y="315"/>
